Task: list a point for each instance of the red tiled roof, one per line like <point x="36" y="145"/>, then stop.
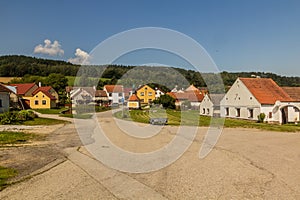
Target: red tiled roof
<point x="133" y="97"/>
<point x="294" y="92"/>
<point x="4" y="89"/>
<point x="265" y="90"/>
<point x="191" y="96"/>
<point x="195" y="96"/>
<point x="22" y="88"/>
<point x="114" y="88"/>
<point x="45" y="90"/>
<point x="191" y="88"/>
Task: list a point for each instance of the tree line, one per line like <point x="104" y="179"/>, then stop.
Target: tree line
<point x="19" y="66"/>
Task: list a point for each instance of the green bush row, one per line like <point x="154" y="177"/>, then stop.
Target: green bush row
<point x="16" y="116"/>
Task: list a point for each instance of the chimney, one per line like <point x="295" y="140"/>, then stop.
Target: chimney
<point x="40" y="84"/>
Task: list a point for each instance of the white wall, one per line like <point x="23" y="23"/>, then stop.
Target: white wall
<point x="205" y="106"/>
<point x="239" y="97"/>
<point x="5" y="102"/>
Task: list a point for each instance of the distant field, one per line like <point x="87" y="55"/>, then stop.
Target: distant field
<point x="7" y="79"/>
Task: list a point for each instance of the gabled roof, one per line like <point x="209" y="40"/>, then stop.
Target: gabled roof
<point x="100" y="93"/>
<point x="294" y="92"/>
<point x="191" y="96"/>
<point x="22" y="88"/>
<point x="191" y="88"/>
<point x="141" y="86"/>
<point x="44" y="90"/>
<point x="265" y="90"/>
<point x="216" y="98"/>
<point x="113" y="88"/>
<point x="4" y="89"/>
<point x="133" y="97"/>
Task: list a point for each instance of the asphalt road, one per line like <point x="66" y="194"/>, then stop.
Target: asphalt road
<point x="245" y="164"/>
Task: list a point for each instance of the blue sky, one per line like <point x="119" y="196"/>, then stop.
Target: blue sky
<point x="240" y="35"/>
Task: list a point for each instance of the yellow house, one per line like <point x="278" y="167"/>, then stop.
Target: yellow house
<point x="41" y="99"/>
<point x="146" y="94"/>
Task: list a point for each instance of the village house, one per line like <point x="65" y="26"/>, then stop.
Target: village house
<point x="115" y="94"/>
<point x="101" y="98"/>
<point x="4" y="98"/>
<point x="81" y="95"/>
<point x="158" y="93"/>
<point x="210" y="105"/>
<point x="248" y="97"/>
<point x="191" y="95"/>
<point x="146" y="94"/>
<point x="133" y="102"/>
<point x="42" y="98"/>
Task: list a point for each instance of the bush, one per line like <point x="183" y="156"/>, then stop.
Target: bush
<point x="261" y="117"/>
<point x="8" y="118"/>
<point x="25" y="115"/>
<point x="15" y="117"/>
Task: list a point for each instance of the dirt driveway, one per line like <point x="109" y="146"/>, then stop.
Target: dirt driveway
<point x="245" y="164"/>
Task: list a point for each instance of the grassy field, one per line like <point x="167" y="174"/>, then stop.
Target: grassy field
<point x="192" y="118"/>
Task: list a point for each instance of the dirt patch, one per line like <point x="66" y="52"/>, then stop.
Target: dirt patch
<point x="45" y="148"/>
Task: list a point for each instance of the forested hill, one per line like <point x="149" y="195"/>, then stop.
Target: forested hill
<point x="18" y="66"/>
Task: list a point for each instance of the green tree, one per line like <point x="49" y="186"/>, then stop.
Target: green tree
<point x="166" y="101"/>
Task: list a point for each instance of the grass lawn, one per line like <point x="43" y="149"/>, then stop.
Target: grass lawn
<point x="5" y="174"/>
<point x="56" y="111"/>
<point x="43" y="121"/>
<point x="10" y="137"/>
<point x="192" y="118"/>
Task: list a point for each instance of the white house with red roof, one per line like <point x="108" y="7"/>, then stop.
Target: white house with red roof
<point x="248" y="97"/>
<point x="115" y="93"/>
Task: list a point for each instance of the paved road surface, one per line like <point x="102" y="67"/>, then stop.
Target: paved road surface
<point x="245" y="164"/>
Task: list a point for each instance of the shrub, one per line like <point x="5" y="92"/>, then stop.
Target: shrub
<point x="24" y="115"/>
<point x="8" y="118"/>
<point x="261" y="117"/>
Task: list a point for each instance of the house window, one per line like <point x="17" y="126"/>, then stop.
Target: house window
<point x="238" y="112"/>
<point x="36" y="102"/>
<point x="37" y="96"/>
<point x="227" y="111"/>
<point x="0" y="103"/>
<point x="110" y="94"/>
<point x="120" y="94"/>
<point x="142" y="94"/>
<point x="44" y="102"/>
<point x="270" y="115"/>
<point x="43" y="96"/>
<point x="150" y="93"/>
<point x="207" y="110"/>
<point x="250" y="113"/>
<point x="203" y="111"/>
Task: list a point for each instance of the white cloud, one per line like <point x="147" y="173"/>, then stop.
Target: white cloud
<point x="49" y="48"/>
<point x="81" y="57"/>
